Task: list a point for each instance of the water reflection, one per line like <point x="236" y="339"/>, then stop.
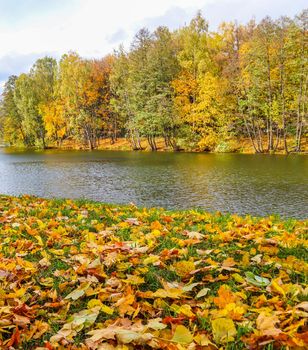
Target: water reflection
<point x="256" y="184"/>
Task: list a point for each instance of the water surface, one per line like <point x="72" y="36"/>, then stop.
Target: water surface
<point x="237" y="183"/>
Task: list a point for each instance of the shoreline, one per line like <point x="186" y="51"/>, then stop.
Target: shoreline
<point x="238" y="147"/>
<point x="83" y="201"/>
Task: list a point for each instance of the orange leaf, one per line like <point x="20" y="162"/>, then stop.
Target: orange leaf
<point x="225" y="297"/>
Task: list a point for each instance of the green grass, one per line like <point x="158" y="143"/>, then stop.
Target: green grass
<point x="128" y="266"/>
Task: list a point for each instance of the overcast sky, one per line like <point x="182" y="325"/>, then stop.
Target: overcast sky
<point x="30" y="29"/>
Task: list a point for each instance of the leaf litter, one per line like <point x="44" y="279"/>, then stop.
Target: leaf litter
<point x="84" y="275"/>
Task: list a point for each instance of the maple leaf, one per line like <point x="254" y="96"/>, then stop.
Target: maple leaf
<point x="225" y="297"/>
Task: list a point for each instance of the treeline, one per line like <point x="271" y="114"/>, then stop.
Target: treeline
<point x="192" y="87"/>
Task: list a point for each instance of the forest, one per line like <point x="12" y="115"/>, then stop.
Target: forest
<point x="193" y="88"/>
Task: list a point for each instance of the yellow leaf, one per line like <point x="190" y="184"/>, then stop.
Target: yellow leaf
<point x="47" y="282"/>
<point x="155" y="233"/>
<point x="184" y="309"/>
<point x="170" y="293"/>
<point x="91" y="237"/>
<point x="17" y="294"/>
<point x="108" y="310"/>
<point x="182" y="335"/>
<point x="245" y="259"/>
<point x="202" y="339"/>
<point x="183" y="268"/>
<point x="276" y="287"/>
<point x="223" y="330"/>
<point x="41" y="224"/>
<point x="57" y="251"/>
<point x="40" y="241"/>
<point x="150" y="260"/>
<point x="42" y="327"/>
<point x="93" y="303"/>
<point x="233" y="311"/>
<point x="238" y="278"/>
<point x="133" y="279"/>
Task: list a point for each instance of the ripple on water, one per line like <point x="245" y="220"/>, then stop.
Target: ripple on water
<point x="255" y="184"/>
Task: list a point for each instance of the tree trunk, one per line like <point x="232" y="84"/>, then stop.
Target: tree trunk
<point x="43" y="139"/>
<point x="282" y="94"/>
<point x="260" y="139"/>
<point x="250" y="135"/>
<point x="277" y="140"/>
<point x="167" y="141"/>
<point x="115" y="130"/>
<point x="302" y="91"/>
<point x="152" y="143"/>
<point x="302" y="115"/>
<point x="270" y="121"/>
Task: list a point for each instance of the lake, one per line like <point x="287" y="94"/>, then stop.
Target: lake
<point x="236" y="183"/>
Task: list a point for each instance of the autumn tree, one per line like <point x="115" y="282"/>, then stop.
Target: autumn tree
<point x="121" y="102"/>
<point x="84" y="90"/>
<point x="12" y="126"/>
<point x="44" y="77"/>
<point x="143" y="122"/>
<point x="163" y="67"/>
<point x="300" y="75"/>
<point x="193" y="58"/>
<point x="193" y="88"/>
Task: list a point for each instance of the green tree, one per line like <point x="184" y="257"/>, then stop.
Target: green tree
<point x="12" y="121"/>
<point x="163" y="67"/>
<point x="122" y="96"/>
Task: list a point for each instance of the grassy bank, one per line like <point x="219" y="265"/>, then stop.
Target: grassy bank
<point x="83" y="275"/>
<point x="242" y="145"/>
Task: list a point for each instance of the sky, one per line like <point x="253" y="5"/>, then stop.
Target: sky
<point x="30" y="29"/>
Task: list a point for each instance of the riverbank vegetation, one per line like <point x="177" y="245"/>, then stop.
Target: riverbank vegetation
<point x="84" y="275"/>
<point x="192" y="88"/>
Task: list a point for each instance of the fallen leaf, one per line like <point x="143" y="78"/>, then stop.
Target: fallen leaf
<point x="182" y="335"/>
<point x="224" y="330"/>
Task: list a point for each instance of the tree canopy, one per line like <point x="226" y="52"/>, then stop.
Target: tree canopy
<point x="192" y="87"/>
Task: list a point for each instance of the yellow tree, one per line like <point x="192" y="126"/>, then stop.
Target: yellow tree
<point x="54" y="119"/>
<point x="212" y="111"/>
<point x="193" y="59"/>
<point x="84" y="89"/>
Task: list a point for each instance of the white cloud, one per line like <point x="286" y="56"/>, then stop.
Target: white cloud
<point x="85" y="29"/>
<point x="94" y="27"/>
